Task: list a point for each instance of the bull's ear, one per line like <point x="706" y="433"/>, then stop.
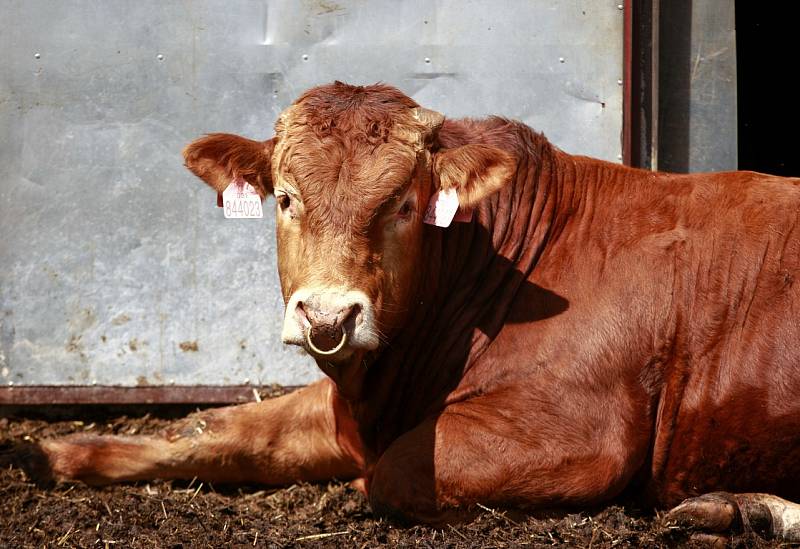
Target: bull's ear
<point x="474" y="171"/>
<point x="219" y="158"/>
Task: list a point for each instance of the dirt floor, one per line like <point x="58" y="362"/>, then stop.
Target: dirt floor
<point x="196" y="514"/>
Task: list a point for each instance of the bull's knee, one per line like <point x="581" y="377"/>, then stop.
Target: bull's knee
<point x="402" y="491"/>
<point x="403" y="488"/>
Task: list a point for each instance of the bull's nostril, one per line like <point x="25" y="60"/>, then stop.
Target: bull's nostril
<point x="352" y="317"/>
<point x="300" y="311"/>
<point x="346" y="313"/>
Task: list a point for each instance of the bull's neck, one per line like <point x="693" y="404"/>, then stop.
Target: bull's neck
<point x="469" y="276"/>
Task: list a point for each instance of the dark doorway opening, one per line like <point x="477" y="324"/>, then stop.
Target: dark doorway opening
<point x="768" y="95"/>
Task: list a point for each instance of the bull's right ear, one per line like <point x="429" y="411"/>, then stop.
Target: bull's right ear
<point x="219" y="158"/>
<point x="473" y="171"/>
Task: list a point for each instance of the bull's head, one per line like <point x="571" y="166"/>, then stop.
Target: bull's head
<point x="352" y="170"/>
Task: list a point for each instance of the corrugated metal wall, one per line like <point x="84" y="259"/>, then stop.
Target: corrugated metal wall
<point x="117" y="267"/>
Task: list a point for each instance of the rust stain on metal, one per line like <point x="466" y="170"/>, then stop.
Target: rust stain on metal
<point x="197" y="394"/>
<point x="119" y="320"/>
<point x="328" y="7"/>
<point x="188" y="346"/>
<point x="74" y="344"/>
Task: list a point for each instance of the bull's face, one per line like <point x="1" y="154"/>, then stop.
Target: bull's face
<point x="352" y="170"/>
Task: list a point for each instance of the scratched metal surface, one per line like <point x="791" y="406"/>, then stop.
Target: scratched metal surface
<point x="117" y="268"/>
<point x="698" y="87"/>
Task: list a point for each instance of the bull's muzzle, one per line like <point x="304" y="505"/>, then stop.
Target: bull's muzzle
<point x="330" y="321"/>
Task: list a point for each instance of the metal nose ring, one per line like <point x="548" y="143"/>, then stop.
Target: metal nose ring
<point x="319" y="351"/>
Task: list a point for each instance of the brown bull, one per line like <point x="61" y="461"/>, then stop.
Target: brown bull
<point x="594" y="328"/>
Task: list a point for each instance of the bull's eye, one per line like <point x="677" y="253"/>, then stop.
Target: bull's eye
<point x="405" y="210"/>
<point x="283" y="201"/>
<point x="286" y="204"/>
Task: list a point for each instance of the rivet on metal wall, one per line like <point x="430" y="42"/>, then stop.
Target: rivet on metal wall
<point x="427" y="59"/>
<point x="620" y="6"/>
<point x="160" y="56"/>
<point x="619" y="82"/>
<point x="37" y="55"/>
<point x="560" y="59"/>
<point x="247" y="381"/>
<point x="305" y="57"/>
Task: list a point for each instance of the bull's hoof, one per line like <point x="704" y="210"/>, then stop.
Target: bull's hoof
<point x="720" y="513"/>
<point x="29" y="457"/>
<point x="714" y="512"/>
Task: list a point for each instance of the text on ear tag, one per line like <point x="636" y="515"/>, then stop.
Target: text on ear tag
<point x="241" y="201"/>
<point x="442" y="209"/>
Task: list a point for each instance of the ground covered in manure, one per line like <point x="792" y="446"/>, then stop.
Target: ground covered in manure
<point x="195" y="514"/>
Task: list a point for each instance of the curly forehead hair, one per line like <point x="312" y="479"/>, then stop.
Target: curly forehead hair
<point x="368" y="111"/>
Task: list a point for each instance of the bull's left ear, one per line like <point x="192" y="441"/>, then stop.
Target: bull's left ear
<point x="219" y="158"/>
<point x="474" y="171"/>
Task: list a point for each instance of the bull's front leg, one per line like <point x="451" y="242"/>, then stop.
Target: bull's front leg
<point x="306" y="435"/>
<point x="499" y="451"/>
